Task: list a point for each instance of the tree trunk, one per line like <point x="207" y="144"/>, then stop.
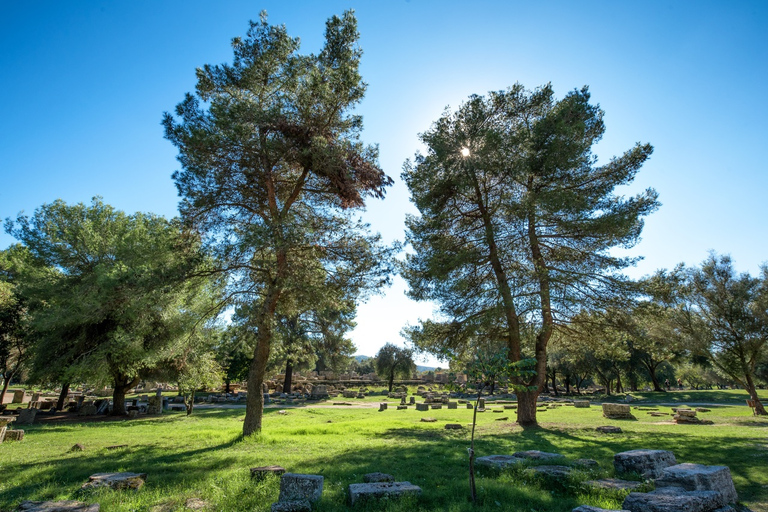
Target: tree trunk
<point x="189" y="402"/>
<point x="122" y="385"/>
<point x="254" y="403"/>
<point x="61" y="402"/>
<point x="619" y="387"/>
<point x="287" y="383"/>
<point x="6" y="382"/>
<point x="226" y="386"/>
<point x="759" y="408"/>
<point x="554" y="384"/>
<point x="526" y="408"/>
<point x="391" y="381"/>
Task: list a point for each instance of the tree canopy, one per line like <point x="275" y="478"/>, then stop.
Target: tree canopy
<point x="517" y="221"/>
<point x="393" y="361"/>
<point x="272" y="168"/>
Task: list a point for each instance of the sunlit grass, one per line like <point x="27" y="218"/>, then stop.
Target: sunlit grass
<point x="204" y="456"/>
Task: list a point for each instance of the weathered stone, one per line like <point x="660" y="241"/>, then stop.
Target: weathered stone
<point x="648" y="463"/>
<point x="295" y="487"/>
<point x="613" y="483"/>
<point x="428" y="420"/>
<point x="551" y="471"/>
<point x="14" y="435"/>
<point x="3" y="430"/>
<point x="77" y="447"/>
<point x="117" y="446"/>
<point x="470" y="406"/>
<point x="377" y="478"/>
<point x="57" y="506"/>
<point x="698" y="477"/>
<point x="26" y="417"/>
<point x="261" y="472"/>
<point x="87" y="410"/>
<point x="401" y="407"/>
<point x="436" y="406"/>
<point x="702" y="409"/>
<point x="609" y="429"/>
<point x="452" y="405"/>
<point x="581" y="404"/>
<point x="412" y="400"/>
<point x="453" y="426"/>
<point x="673" y="499"/>
<point x="382" y="406"/>
<point x="422" y="407"/>
<point x="6" y="420"/>
<point x="537" y="455"/>
<point x="381" y="490"/>
<point x="617" y="412"/>
<point x="292" y="506"/>
<point x="589" y="508"/>
<point x="686" y="412"/>
<point x="498" y="461"/>
<point x="116" y="481"/>
<point x="586" y="463"/>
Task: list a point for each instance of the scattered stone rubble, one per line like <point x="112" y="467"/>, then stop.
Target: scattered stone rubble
<point x="117" y="481"/>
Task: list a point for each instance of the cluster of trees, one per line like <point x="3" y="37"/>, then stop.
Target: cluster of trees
<point x="514" y="242"/>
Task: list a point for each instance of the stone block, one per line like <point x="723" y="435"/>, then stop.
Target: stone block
<point x="18" y="396"/>
<point x="381" y="490"/>
<point x="26" y="416"/>
<point x="401" y="407"/>
<point x="617" y="411"/>
<point x="648" y="463"/>
<point x="698" y="477"/>
<point x="436" y="406"/>
<point x="609" y="429"/>
<point x="422" y="407"/>
<point x="613" y="483"/>
<point x="292" y="506"/>
<point x="498" y="461"/>
<point x="452" y="405"/>
<point x="470" y="406"/>
<point x="581" y="404"/>
<point x="116" y="481"/>
<point x="13" y="435"/>
<point x="537" y="455"/>
<point x="453" y="426"/>
<point x="382" y="406"/>
<point x="510" y="407"/>
<point x="87" y="410"/>
<point x="674" y="499"/>
<point x="262" y="472"/>
<point x="428" y="420"/>
<point x="57" y="506"/>
<point x="377" y="478"/>
<point x="294" y="487"/>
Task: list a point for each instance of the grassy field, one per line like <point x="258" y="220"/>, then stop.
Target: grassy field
<point x="204" y="456"/>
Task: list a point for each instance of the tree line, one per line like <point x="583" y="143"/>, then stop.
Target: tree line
<point x="513" y="242"/>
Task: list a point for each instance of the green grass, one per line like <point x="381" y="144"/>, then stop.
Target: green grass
<point x="204" y="456"/>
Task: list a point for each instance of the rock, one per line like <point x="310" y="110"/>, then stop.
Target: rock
<point x="498" y="461"/>
<point x="261" y="472"/>
<point x="436" y="406"/>
<point x="510" y="407"/>
<point x="556" y="472"/>
<point x="454" y="426"/>
<point x="588" y="508"/>
<point x="586" y="463"/>
<point x="14" y="435"/>
<point x="382" y="406"/>
<point x="452" y="405"/>
<point x="537" y="455"/>
<point x="648" y="463"/>
<point x="613" y="483"/>
<point x="581" y="404"/>
<point x="296" y="487"/>
<point x="698" y="477"/>
<point x="26" y="417"/>
<point x="428" y="420"/>
<point x="401" y="407"/>
<point x="422" y="407"/>
<point x="117" y="446"/>
<point x="503" y="418"/>
<point x="609" y="429"/>
<point x="77" y="447"/>
<point x="57" y="506"/>
<point x="617" y="412"/>
<point x="702" y="409"/>
<point x="117" y="481"/>
<point x="674" y="499"/>
<point x="381" y="490"/>
<point x="87" y="410"/>
<point x="370" y="478"/>
<point x="292" y="506"/>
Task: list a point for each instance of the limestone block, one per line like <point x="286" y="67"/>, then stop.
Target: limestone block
<point x="381" y="490"/>
<point x="292" y="506"/>
<point x="116" y="481"/>
<point x="401" y="407"/>
<point x="57" y="506"/>
<point x="6" y="420"/>
<point x="382" y="406"/>
<point x="294" y="486"/>
<point x="537" y="455"/>
<point x="422" y="407"/>
<point x="648" y="463"/>
<point x="698" y="477"/>
<point x="498" y="461"/>
<point x="377" y="478"/>
<point x="677" y="500"/>
<point x="436" y="406"/>
<point x="452" y="405"/>
<point x="617" y="411"/>
<point x="470" y="406"/>
<point x="3" y="430"/>
<point x="453" y="426"/>
<point x="609" y="429"/>
<point x="13" y="435"/>
<point x="581" y="404"/>
<point x="261" y="472"/>
<point x="26" y="417"/>
<point x="613" y="483"/>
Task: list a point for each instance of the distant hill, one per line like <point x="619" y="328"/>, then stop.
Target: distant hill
<point x="419" y="368"/>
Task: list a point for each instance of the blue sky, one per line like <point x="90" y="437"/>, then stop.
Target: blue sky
<point x="84" y="86"/>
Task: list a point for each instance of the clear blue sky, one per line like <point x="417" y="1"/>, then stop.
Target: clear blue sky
<point x="84" y="86"/>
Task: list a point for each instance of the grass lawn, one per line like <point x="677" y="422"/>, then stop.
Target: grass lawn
<point x="204" y="456"/>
